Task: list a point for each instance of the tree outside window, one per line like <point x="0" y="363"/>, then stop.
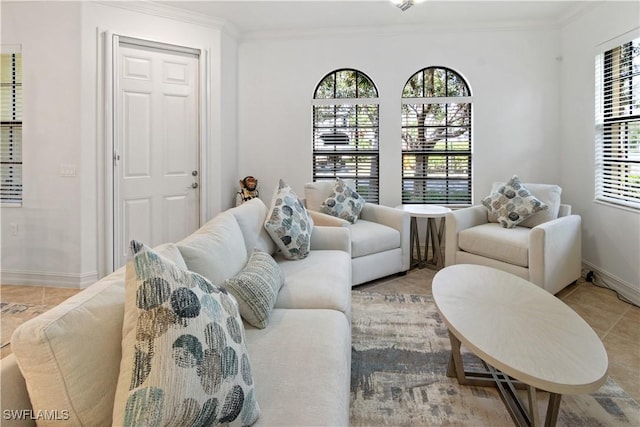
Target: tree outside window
<point x="436" y="138"/>
<point x="345" y="131"/>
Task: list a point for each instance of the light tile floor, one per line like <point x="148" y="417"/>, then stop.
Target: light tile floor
<point x="615" y="321"/>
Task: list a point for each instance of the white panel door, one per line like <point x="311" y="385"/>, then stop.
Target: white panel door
<point x="156" y="168"/>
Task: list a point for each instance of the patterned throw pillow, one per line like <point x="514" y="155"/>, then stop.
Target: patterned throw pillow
<point x="289" y="224"/>
<point x="344" y="202"/>
<point x="256" y="288"/>
<point x="184" y="359"/>
<point x="513" y="203"/>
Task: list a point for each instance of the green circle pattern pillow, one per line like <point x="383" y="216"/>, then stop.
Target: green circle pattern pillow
<point x="344" y="202"/>
<point x="513" y="203"/>
<point x="288" y="223"/>
<point x="184" y="358"/>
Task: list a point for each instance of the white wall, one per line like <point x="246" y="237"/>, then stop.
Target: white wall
<point x="47" y="246"/>
<point x="62" y="239"/>
<point x="514" y="77"/>
<point x="533" y="115"/>
<point x="611" y="236"/>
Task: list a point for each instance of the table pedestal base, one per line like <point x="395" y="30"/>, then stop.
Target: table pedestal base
<point x="522" y="415"/>
<point x="433" y="238"/>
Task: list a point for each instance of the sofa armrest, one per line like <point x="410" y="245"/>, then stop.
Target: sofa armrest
<point x="394" y="218"/>
<point x="391" y="217"/>
<point x="459" y="220"/>
<point x="555" y="253"/>
<point x="323" y="219"/>
<point x="14" y="397"/>
<point x="331" y="238"/>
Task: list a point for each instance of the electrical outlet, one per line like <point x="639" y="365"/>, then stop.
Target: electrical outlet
<point x="13" y="227"/>
<point x="67" y="170"/>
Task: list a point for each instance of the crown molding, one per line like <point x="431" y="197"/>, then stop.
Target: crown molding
<point x="154" y="8"/>
<point x="427" y="28"/>
<point x="581" y="9"/>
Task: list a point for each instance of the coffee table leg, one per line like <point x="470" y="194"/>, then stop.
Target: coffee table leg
<point x="455" y="368"/>
<point x="553" y="409"/>
<point x="533" y="407"/>
<point x="517" y="410"/>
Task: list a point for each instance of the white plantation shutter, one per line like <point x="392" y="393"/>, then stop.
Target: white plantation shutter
<point x="11" y="127"/>
<point x="618" y="124"/>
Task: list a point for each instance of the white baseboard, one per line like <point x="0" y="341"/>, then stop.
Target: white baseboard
<point x="40" y="278"/>
<point x="606" y="279"/>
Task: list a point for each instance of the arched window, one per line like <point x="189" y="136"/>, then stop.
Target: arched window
<point x="436" y="138"/>
<point x="345" y="130"/>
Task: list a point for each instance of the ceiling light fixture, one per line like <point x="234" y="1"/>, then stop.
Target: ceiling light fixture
<point x="405" y="4"/>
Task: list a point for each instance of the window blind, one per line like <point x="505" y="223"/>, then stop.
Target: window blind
<point x="346" y="131"/>
<point x="436" y="138"/>
<point x="617" y="167"/>
<point x="11" y="128"/>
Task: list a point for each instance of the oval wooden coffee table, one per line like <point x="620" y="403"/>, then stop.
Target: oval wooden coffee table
<point x="527" y="337"/>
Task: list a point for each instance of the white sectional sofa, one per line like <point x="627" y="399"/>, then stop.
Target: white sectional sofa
<point x="65" y="363"/>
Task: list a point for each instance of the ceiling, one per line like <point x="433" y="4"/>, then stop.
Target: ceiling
<point x="311" y="15"/>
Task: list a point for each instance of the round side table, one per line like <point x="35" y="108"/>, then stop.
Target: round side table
<point x="434" y="234"/>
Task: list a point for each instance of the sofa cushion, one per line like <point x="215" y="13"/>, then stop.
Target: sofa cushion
<point x="343" y="202"/>
<point x="217" y="250"/>
<point x="184" y="355"/>
<point x="302" y="368"/>
<point x="251" y="216"/>
<point x="322" y="280"/>
<point x="512" y="203"/>
<point x="70" y="356"/>
<point x="549" y="194"/>
<point x="256" y="288"/>
<point x="172" y="253"/>
<point x="288" y="223"/>
<point x="369" y="237"/>
<point x="491" y="240"/>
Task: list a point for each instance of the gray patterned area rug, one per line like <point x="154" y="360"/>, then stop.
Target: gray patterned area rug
<point x="13" y="315"/>
<point x="398" y="375"/>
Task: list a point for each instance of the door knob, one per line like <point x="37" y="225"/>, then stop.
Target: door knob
<point x="194" y="185"/>
<point x="194" y="173"/>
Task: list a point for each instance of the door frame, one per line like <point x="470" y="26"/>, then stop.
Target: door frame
<point x="106" y="213"/>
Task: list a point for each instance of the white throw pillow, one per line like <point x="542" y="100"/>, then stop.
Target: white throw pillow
<point x="184" y="357"/>
<point x="251" y="216"/>
<point x="217" y="250"/>
<point x="550" y="196"/>
<point x="289" y="224"/>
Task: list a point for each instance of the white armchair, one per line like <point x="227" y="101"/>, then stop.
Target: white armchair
<point x="379" y="238"/>
<point x="546" y="249"/>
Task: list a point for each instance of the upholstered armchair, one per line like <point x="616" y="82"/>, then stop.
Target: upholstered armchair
<point x="379" y="237"/>
<point x="545" y="248"/>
